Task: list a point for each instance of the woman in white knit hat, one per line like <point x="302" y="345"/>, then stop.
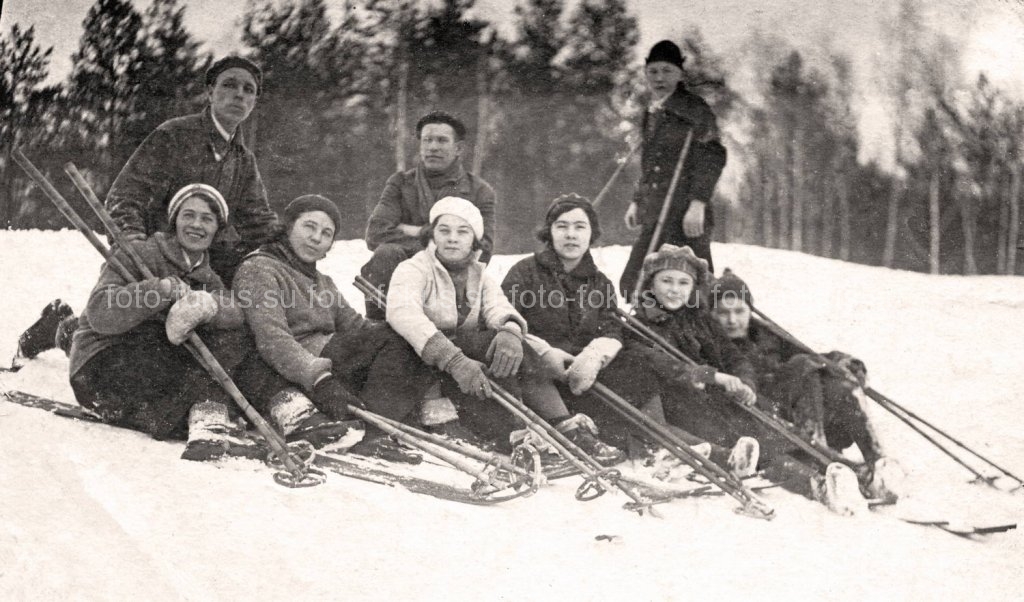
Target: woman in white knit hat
<point x="456" y="317"/>
<point x="127" y="364"/>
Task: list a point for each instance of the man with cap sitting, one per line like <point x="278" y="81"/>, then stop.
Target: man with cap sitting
<point x="394" y="228"/>
<point x="674" y="113"/>
<point x="206" y="147"/>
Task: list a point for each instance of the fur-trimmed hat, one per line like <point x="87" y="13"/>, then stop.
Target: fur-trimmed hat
<point x="730" y="286"/>
<point x="666" y="52"/>
<point x="201" y="190"/>
<point x="231" y="61"/>
<point x="671" y="257"/>
<point x="459" y="207"/>
<point x="307" y="203"/>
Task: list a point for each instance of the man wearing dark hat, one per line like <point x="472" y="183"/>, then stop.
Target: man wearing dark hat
<point x="674" y="113"/>
<point x="393" y="230"/>
<point x="208" y="148"/>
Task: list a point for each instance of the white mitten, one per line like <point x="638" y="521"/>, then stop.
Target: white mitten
<point x="195" y="308"/>
<point x="596" y="355"/>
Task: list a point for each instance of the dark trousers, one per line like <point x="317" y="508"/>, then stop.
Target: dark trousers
<point x="485" y="417"/>
<point x="630" y="377"/>
<point x="712" y="416"/>
<point x="823" y="405"/>
<point x="147" y="384"/>
<point x="375" y="364"/>
<point x="378" y="271"/>
<point x="671" y="233"/>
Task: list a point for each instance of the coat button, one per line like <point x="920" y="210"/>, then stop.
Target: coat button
<point x="657" y="168"/>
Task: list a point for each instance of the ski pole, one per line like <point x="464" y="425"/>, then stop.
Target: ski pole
<point x="652" y="246"/>
<point x="821" y="454"/>
<point x="65" y="208"/>
<point x="485" y="475"/>
<point x="596" y="474"/>
<point x="591" y="468"/>
<point x="706" y="468"/>
<point x="615" y="175"/>
<point x="896" y="409"/>
<point x="455" y="454"/>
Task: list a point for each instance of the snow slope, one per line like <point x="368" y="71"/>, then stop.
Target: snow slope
<point x="90" y="512"/>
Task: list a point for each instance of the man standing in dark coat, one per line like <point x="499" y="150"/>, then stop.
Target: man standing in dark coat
<point x="394" y="228"/>
<point x="674" y="113"/>
<point x="206" y="148"/>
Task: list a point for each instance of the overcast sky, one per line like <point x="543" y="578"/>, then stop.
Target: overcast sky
<point x="990" y="33"/>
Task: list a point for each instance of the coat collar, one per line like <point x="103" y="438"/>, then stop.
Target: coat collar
<point x="548" y="259"/>
<point x="173" y="252"/>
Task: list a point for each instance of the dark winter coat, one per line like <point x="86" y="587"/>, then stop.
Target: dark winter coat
<point x="566" y="309"/>
<point x="293" y="311"/>
<point x="400" y="203"/>
<point x="695" y="332"/>
<point x="179" y="152"/>
<point x="117" y="306"/>
<point x="664" y="134"/>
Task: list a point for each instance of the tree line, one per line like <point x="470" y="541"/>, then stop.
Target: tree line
<point x="551" y="108"/>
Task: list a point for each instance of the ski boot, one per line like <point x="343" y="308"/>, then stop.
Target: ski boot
<point x="744" y="456"/>
<point x="212" y="435"/>
<point x="298" y="419"/>
<point x="885" y="481"/>
<point x="40" y="336"/>
<point x="581" y="430"/>
<point x="383" y="447"/>
<point x="839" y="490"/>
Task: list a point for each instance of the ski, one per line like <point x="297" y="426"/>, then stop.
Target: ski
<point x="960" y="530"/>
<point x="349" y="467"/>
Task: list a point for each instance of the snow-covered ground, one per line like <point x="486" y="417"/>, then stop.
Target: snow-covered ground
<point x="90" y="512"/>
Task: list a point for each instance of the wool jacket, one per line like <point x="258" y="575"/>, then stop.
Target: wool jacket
<point x="565" y="309"/>
<point x="766" y="353"/>
<point x="421" y="300"/>
<point x="400" y="203"/>
<point x="695" y="332"/>
<point x="663" y="138"/>
<point x="116" y="305"/>
<point x="293" y="311"/>
<point x="183" y="151"/>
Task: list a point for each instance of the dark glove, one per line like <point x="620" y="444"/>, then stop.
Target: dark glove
<point x="470" y="376"/>
<point x="333" y="398"/>
<point x="505" y="354"/>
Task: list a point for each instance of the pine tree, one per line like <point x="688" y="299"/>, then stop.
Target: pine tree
<point x="103" y="83"/>
<point x="169" y="71"/>
<point x="24" y="100"/>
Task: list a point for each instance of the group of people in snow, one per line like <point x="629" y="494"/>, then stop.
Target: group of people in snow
<point x="192" y="206"/>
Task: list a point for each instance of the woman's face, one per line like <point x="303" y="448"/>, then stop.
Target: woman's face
<point x="311" y="236"/>
<point x="733" y="313"/>
<point x="454" y="238"/>
<point x="570" y="235"/>
<point x="672" y="288"/>
<point x="196" y="224"/>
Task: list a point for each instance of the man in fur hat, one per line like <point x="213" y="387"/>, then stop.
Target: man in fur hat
<point x="674" y="113"/>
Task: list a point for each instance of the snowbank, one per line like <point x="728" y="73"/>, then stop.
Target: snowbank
<point x="91" y="512"/>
